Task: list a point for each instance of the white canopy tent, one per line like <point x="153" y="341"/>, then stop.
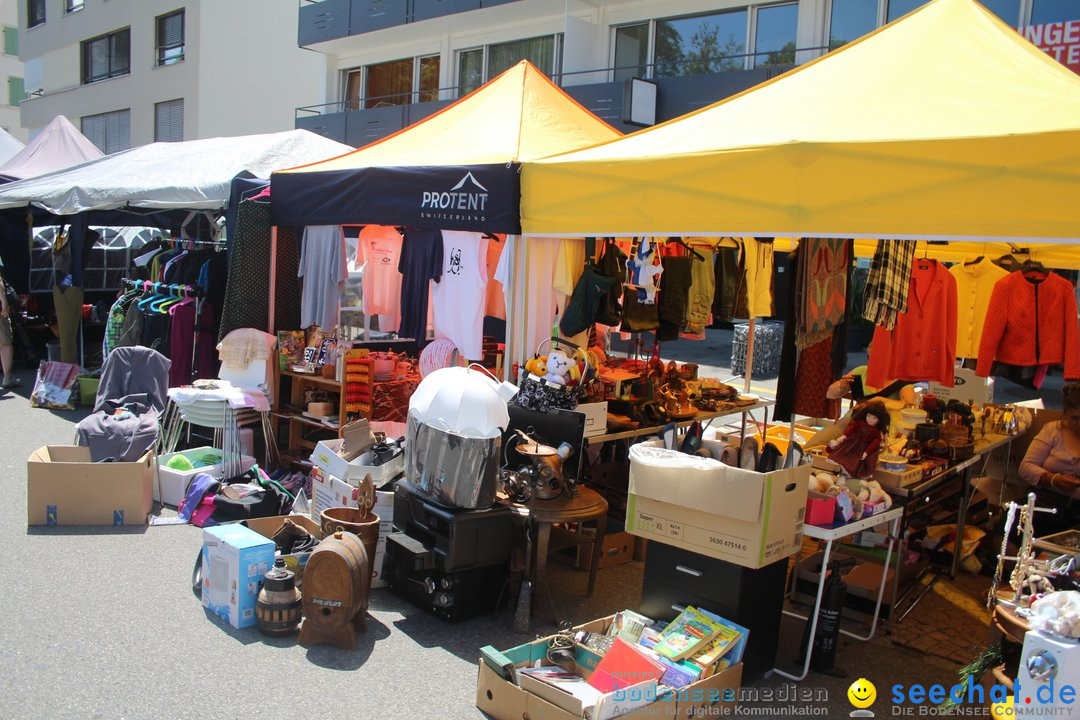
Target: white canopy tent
<point x="194" y="175"/>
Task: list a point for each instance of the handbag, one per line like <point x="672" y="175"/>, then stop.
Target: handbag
<point x="613" y="265"/>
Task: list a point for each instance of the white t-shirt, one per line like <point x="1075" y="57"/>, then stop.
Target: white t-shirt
<point x="380" y="249"/>
<point x="545" y="258"/>
<point x="458" y="297"/>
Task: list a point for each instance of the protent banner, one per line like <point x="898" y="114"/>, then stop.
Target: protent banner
<point x="476" y="198"/>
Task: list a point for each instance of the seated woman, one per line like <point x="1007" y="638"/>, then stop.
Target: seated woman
<point x="1052" y="466"/>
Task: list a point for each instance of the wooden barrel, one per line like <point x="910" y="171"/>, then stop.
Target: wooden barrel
<point x="350" y="519"/>
<point x="337" y="581"/>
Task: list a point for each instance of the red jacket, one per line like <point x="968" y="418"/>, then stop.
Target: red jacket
<point x="922" y="346"/>
<point x="1031" y="323"/>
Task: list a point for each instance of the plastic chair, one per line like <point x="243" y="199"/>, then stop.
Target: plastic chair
<point x="226" y="418"/>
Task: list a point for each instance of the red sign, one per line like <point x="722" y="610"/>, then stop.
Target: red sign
<point x="1060" y="40"/>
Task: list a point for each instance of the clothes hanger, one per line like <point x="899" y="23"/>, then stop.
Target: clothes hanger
<point x="263" y="192"/>
<point x="490" y="236"/>
<point x="682" y="243"/>
<point x="1032" y="266"/>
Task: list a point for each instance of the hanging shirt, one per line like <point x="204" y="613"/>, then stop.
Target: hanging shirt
<point x="542" y="257"/>
<point x="494" y="301"/>
<point x="380" y="251"/>
<point x="421" y="262"/>
<point x="758" y="261"/>
<point x="922" y="346"/>
<point x="458" y="297"/>
<point x="1031" y="321"/>
<point x="323" y="268"/>
<point x="974" y="286"/>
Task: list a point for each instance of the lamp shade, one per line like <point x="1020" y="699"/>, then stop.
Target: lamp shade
<point x="462" y="401"/>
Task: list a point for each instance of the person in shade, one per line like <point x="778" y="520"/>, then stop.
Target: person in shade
<point x="1051" y="466"/>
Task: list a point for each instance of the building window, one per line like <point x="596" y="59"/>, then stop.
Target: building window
<point x="11" y="40"/>
<point x="71" y="6"/>
<point x="774" y="35"/>
<point x="170" y="38"/>
<point x="398" y="82"/>
<point x="107" y="56"/>
<point x="110" y="132"/>
<point x="16" y="90"/>
<point x="35" y="13"/>
<point x="736" y="39"/>
<point x="631" y="51"/>
<point x="1007" y="10"/>
<point x="169" y="121"/>
<point x="851" y="19"/>
<point x="478" y="65"/>
<point x="1047" y="11"/>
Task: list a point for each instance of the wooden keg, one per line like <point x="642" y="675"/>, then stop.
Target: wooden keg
<point x="337" y="581"/>
<point x="277" y="609"/>
<point x="349" y="519"/>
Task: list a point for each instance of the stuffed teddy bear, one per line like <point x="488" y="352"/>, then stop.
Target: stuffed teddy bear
<point x="560" y="368"/>
<point x="872" y="492"/>
<point x="537" y="366"/>
<point x="824" y="483"/>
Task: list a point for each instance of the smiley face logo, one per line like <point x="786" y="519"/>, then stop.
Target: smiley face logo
<point x="862" y="693"/>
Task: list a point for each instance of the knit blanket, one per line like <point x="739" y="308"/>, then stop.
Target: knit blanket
<point x="823" y="266"/>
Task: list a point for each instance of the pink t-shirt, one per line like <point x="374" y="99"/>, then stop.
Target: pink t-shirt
<point x="380" y="248"/>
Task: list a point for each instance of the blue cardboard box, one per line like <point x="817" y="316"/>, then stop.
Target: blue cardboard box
<point x="234" y="561"/>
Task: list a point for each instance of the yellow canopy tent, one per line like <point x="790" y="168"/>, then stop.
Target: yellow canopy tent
<point x="945" y="124"/>
<point x="458" y="169"/>
<point x="455" y="170"/>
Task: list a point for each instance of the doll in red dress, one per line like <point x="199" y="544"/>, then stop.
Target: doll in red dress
<point x="857" y="450"/>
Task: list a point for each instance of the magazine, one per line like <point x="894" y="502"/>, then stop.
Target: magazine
<point x="688" y="634"/>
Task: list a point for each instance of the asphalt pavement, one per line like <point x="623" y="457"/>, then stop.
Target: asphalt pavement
<point x="102" y="623"/>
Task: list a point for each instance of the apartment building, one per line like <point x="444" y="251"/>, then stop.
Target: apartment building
<point x="130" y="72"/>
<point x="393" y="62"/>
<point x="11" y="71"/>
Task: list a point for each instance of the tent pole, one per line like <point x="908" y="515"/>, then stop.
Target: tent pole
<point x="749" y="355"/>
<point x="273" y="279"/>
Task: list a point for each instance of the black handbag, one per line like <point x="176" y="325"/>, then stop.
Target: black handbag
<point x="612" y="264"/>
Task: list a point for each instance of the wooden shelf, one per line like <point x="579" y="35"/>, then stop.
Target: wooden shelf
<point x="313" y="379"/>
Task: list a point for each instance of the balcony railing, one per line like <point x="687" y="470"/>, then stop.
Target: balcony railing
<point x="358" y="122"/>
<point x="323" y="20"/>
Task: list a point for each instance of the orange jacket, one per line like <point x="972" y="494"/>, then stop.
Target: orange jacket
<point x="922" y="346"/>
<point x="1031" y="323"/>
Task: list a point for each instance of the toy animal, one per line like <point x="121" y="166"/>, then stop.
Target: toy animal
<point x="872" y="492"/>
<point x="561" y="368"/>
<point x="537" y="366"/>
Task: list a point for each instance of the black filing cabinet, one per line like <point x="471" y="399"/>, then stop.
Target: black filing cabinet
<point x="675" y="578"/>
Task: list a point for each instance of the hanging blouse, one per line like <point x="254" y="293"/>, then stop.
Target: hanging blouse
<point x="922" y="346"/>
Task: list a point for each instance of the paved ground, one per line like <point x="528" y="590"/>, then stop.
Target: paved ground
<point x="102" y="624"/>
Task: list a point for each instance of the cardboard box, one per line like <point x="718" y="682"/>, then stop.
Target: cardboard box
<point x="616" y="548"/>
<point x="890" y="479"/>
<point x="331" y="492"/>
<point x="63" y="487"/>
<point x="326" y="458"/>
<point x="268" y="526"/>
<point x="967" y="387"/>
<point x="820" y="509"/>
<point x="502" y="699"/>
<point x="234" y="562"/>
<point x="384" y="508"/>
<point x="743" y="517"/>
<point x="595" y="417"/>
<point x="170" y="486"/>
